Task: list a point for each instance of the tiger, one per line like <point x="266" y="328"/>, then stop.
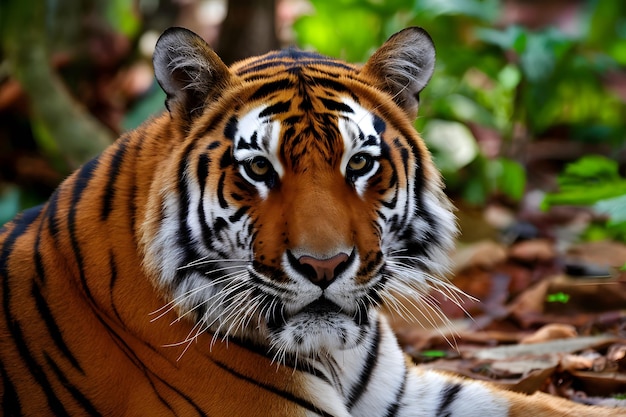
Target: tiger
<point x="233" y="256"/>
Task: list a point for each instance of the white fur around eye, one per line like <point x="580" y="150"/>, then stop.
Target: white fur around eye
<point x="257" y="137"/>
<point x="359" y="138"/>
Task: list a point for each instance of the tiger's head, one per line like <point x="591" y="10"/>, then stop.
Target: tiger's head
<point x="300" y="199"/>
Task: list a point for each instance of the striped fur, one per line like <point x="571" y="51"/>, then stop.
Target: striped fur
<point x="229" y="257"/>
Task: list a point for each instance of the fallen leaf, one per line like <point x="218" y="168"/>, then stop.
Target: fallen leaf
<point x="536" y="250"/>
<point x="537" y="349"/>
<point x="551" y="332"/>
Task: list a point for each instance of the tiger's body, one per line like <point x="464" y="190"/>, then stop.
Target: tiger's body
<point x="229" y="257"/>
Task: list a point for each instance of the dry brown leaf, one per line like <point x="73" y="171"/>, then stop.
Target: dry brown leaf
<point x="485" y="254"/>
<point x="538" y="349"/>
<point x="536" y="250"/>
<point x="576" y="362"/>
<point x="551" y="332"/>
<point x="617" y="352"/>
<point x="601" y="383"/>
<point x="530" y="302"/>
<point x="587" y="295"/>
<point x="606" y="253"/>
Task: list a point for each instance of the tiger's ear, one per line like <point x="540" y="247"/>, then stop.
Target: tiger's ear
<point x="403" y="66"/>
<point x="189" y="72"/>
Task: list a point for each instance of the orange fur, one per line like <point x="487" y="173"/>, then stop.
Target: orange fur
<point x="85" y="326"/>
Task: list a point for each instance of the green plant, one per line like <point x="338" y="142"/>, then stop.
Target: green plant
<point x="507" y="80"/>
<point x="594" y="181"/>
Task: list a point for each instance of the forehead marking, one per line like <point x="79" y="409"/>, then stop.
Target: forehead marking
<point x="258" y="135"/>
<point x="360" y="131"/>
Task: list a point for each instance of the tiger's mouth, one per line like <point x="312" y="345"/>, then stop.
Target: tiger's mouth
<point x="321" y="306"/>
<point x="322" y="310"/>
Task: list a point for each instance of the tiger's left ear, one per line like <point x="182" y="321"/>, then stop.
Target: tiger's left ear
<point x="189" y="72"/>
<point x="403" y="66"/>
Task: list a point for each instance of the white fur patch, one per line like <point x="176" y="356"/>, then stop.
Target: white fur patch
<point x="260" y="136"/>
<point x="352" y="126"/>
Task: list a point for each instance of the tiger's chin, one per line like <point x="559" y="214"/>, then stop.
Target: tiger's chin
<point x="320" y="327"/>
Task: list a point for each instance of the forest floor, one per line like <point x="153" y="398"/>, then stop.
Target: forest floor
<point x="551" y="315"/>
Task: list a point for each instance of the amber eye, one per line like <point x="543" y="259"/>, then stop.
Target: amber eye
<point x="259" y="168"/>
<point x="359" y="164"/>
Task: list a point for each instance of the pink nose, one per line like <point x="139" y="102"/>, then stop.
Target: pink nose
<point x="323" y="270"/>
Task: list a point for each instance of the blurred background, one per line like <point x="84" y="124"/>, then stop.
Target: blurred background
<point x="525" y="111"/>
<point x="524" y="116"/>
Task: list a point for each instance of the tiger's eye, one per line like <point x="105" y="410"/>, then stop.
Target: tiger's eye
<point x="359" y="164"/>
<point x="259" y="168"/>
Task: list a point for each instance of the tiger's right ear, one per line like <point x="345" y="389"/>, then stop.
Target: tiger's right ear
<point x="403" y="66"/>
<point x="189" y="72"/>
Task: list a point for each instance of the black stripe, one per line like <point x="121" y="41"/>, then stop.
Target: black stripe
<point x="220" y="191"/>
<point x="226" y="160"/>
<point x="379" y="125"/>
<point x="366" y="372"/>
<point x="137" y="362"/>
<point x="13" y="326"/>
<point x="113" y="173"/>
<point x="39" y="268"/>
<point x="55" y="406"/>
<point x="278" y="108"/>
<point x="10" y="401"/>
<point x="21" y="223"/>
<point x="270" y="88"/>
<point x="51" y="216"/>
<point x="133" y="358"/>
<point x="290" y="361"/>
<point x="53" y="329"/>
<point x="112" y="282"/>
<point x="448" y="395"/>
<point x="219" y="225"/>
<point x="239" y="214"/>
<point x="329" y="83"/>
<point x="250" y="72"/>
<point x="393" y="408"/>
<point x="284" y="394"/>
<point x="230" y="130"/>
<point x="80" y="398"/>
<point x="333" y="105"/>
<point x="80" y="184"/>
<point x="183" y="232"/>
<point x="203" y="172"/>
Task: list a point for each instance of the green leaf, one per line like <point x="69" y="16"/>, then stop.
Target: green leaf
<point x="513" y="37"/>
<point x="589" y="170"/>
<point x="509" y="77"/>
<point x="509" y="177"/>
<point x="615" y="208"/>
<point x="487" y="10"/>
<point x="558" y="297"/>
<point x="433" y="354"/>
<point x="585" y="182"/>
<point x="321" y="32"/>
<point x="122" y="17"/>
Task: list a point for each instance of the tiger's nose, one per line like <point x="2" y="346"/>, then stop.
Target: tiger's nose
<point x="322" y="272"/>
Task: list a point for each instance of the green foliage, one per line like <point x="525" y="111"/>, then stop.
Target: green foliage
<point x="122" y="16"/>
<point x="506" y="80"/>
<point x="433" y="354"/>
<point x="594" y="181"/>
<point x="558" y="297"/>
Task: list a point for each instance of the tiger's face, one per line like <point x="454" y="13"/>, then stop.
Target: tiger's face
<point x="304" y="200"/>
